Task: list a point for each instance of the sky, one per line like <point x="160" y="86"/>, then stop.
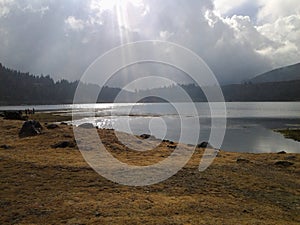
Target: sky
<point x="238" y="39"/>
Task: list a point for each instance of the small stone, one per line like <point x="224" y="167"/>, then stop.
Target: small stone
<point x="204" y="144"/>
<point x="245" y="211"/>
<point x="52" y="126"/>
<point x="63" y="144"/>
<point x="290" y="157"/>
<point x="6" y="147"/>
<point x="284" y="163"/>
<point x="97" y="214"/>
<point x="171" y="146"/>
<point x="281" y="152"/>
<point x="67" y="136"/>
<point x="145" y="136"/>
<point x="242" y="160"/>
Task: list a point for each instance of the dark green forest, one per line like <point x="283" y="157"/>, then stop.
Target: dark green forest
<point x="18" y="88"/>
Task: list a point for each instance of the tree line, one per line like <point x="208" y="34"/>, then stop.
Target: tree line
<point x="18" y="88"/>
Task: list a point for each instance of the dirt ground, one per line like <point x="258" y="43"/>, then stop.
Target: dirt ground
<point x="45" y="185"/>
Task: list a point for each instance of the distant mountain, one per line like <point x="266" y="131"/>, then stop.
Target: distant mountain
<point x="287" y="73"/>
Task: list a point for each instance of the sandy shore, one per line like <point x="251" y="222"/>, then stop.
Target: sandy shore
<point x="45" y="185"/>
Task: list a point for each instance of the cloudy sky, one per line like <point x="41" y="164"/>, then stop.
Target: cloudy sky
<point x="236" y="38"/>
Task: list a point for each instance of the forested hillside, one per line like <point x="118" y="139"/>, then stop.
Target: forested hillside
<point x="17" y="88"/>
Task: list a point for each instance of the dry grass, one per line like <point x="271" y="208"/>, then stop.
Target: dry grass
<point x="291" y="133"/>
<point x="42" y="185"/>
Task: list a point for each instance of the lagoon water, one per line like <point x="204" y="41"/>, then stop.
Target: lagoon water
<point x="249" y="125"/>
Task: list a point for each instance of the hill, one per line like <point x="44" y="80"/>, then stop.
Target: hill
<point x="287" y="73"/>
<point x="17" y="88"/>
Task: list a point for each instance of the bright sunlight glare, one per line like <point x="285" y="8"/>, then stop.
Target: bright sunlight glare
<point x="122" y="11"/>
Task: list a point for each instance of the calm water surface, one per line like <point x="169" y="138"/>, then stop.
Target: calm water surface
<point x="249" y="126"/>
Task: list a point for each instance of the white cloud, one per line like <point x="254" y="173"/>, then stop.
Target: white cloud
<point x="272" y="10"/>
<point x="285" y="32"/>
<point x="75" y="24"/>
<point x="5" y="6"/>
<point x="165" y="35"/>
<point x="225" y="6"/>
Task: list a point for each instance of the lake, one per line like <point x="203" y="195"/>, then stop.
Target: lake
<point x="249" y="126"/>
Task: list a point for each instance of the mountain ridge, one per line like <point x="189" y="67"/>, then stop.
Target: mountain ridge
<point x="286" y="73"/>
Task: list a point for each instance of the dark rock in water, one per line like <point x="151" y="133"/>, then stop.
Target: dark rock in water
<point x="63" y="123"/>
<point x="284" y="163"/>
<point x="242" y="160"/>
<point x="30" y="128"/>
<point x="204" y="144"/>
<point x="6" y="147"/>
<point x="86" y="125"/>
<point x="171" y="142"/>
<point x="63" y="144"/>
<point x="281" y="152"/>
<point x="14" y="115"/>
<point x="52" y="126"/>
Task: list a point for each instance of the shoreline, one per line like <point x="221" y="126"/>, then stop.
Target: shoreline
<point x="287" y="132"/>
<point x="42" y="184"/>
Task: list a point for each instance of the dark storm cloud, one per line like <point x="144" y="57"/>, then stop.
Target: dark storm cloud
<point x="63" y="38"/>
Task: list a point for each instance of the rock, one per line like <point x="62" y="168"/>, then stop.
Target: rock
<point x="145" y="136"/>
<point x="281" y="152"/>
<point x="52" y="126"/>
<point x="86" y="125"/>
<point x="242" y="160"/>
<point x="97" y="214"/>
<point x="290" y="157"/>
<point x="204" y="144"/>
<point x="284" y="163"/>
<point x="67" y="136"/>
<point x="63" y="144"/>
<point x="6" y="147"/>
<point x="63" y="123"/>
<point x="172" y="146"/>
<point x="14" y="115"/>
<point x="30" y="128"/>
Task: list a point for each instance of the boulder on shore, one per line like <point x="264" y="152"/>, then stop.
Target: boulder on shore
<point x="204" y="144"/>
<point x="30" y="128"/>
<point x="14" y="115"/>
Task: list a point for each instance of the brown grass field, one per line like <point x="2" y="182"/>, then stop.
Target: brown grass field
<point x="44" y="185"/>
